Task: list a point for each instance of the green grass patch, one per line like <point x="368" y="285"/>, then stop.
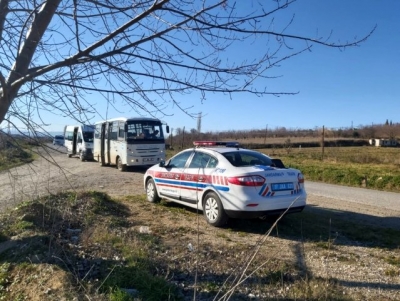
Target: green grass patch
<point x="317" y="289"/>
<point x="5" y="281"/>
<point x="14" y="152"/>
<point x="149" y="287"/>
<point x="328" y="228"/>
<point x="175" y="208"/>
<point x="371" y="167"/>
<point x="326" y="225"/>
<point x="326" y="245"/>
<point x="392" y="272"/>
<point x="394" y="260"/>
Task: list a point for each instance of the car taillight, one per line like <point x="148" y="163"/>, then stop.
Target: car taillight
<point x="247" y="180"/>
<point x="300" y="177"/>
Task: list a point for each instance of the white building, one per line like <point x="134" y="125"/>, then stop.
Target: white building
<point x="383" y="142"/>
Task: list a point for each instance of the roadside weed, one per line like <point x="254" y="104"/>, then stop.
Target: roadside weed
<point x="96" y="241"/>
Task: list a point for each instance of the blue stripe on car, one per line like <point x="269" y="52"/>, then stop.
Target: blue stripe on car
<point x="190" y="184"/>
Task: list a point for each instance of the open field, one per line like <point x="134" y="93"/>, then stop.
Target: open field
<point x="370" y="167"/>
<point x="364" y="166"/>
<point x="361" y="166"/>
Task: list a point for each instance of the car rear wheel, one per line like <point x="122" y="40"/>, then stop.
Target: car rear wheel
<point x="214" y="211"/>
<point x="151" y="191"/>
<point x="120" y="166"/>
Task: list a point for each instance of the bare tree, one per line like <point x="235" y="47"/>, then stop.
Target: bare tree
<point x="55" y="54"/>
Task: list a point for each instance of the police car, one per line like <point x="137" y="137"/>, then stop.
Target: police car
<point x="227" y="181"/>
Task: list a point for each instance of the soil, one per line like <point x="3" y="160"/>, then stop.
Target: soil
<point x="363" y="276"/>
<point x="55" y="172"/>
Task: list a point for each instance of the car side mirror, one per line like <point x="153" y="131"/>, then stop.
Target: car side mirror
<point x="162" y="163"/>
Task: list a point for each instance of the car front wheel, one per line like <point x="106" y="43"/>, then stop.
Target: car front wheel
<point x="214" y="211"/>
<point x="151" y="191"/>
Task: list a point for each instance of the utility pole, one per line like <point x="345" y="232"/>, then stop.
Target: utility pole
<point x="323" y="142"/>
<point x="183" y="137"/>
<point x="170" y="138"/>
<point x="199" y="123"/>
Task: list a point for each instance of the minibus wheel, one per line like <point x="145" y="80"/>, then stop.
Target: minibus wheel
<point x="120" y="166"/>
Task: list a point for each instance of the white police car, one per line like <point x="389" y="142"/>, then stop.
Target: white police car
<point x="226" y="182"/>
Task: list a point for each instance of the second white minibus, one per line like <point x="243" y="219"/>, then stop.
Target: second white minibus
<point x="78" y="139"/>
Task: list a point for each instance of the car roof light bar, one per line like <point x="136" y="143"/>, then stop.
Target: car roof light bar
<point x="217" y="143"/>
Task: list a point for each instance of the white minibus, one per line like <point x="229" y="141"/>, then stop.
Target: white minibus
<point x="128" y="142"/>
<point x="78" y="139"/>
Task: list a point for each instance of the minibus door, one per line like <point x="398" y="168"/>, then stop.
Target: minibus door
<point x="107" y="144"/>
<point x="103" y="144"/>
<point x="75" y="141"/>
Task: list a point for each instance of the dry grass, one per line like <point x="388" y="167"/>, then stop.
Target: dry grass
<point x="92" y="247"/>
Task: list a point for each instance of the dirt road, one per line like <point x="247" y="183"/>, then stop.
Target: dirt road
<point x="54" y="172"/>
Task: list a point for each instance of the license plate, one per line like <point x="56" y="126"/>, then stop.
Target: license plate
<point x="282" y="186"/>
<point x="148" y="159"/>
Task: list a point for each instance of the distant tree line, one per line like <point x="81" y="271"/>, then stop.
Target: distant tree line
<point x="182" y="138"/>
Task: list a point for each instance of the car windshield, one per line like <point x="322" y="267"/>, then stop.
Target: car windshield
<point x="247" y="158"/>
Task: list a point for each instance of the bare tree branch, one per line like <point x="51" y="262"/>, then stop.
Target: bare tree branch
<point x="56" y="54"/>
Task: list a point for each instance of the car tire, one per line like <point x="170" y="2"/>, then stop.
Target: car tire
<point x="213" y="210"/>
<point x="120" y="166"/>
<point x="151" y="191"/>
<point x="69" y="155"/>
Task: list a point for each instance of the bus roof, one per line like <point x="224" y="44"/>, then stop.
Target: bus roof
<point x="84" y="127"/>
<point x="124" y="119"/>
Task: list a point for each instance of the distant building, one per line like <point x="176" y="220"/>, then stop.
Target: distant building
<point x="383" y="142"/>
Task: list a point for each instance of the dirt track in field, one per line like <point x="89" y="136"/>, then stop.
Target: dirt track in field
<point x="54" y="172"/>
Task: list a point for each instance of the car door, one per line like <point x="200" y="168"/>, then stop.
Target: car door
<point x="196" y="175"/>
<point x="168" y="179"/>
